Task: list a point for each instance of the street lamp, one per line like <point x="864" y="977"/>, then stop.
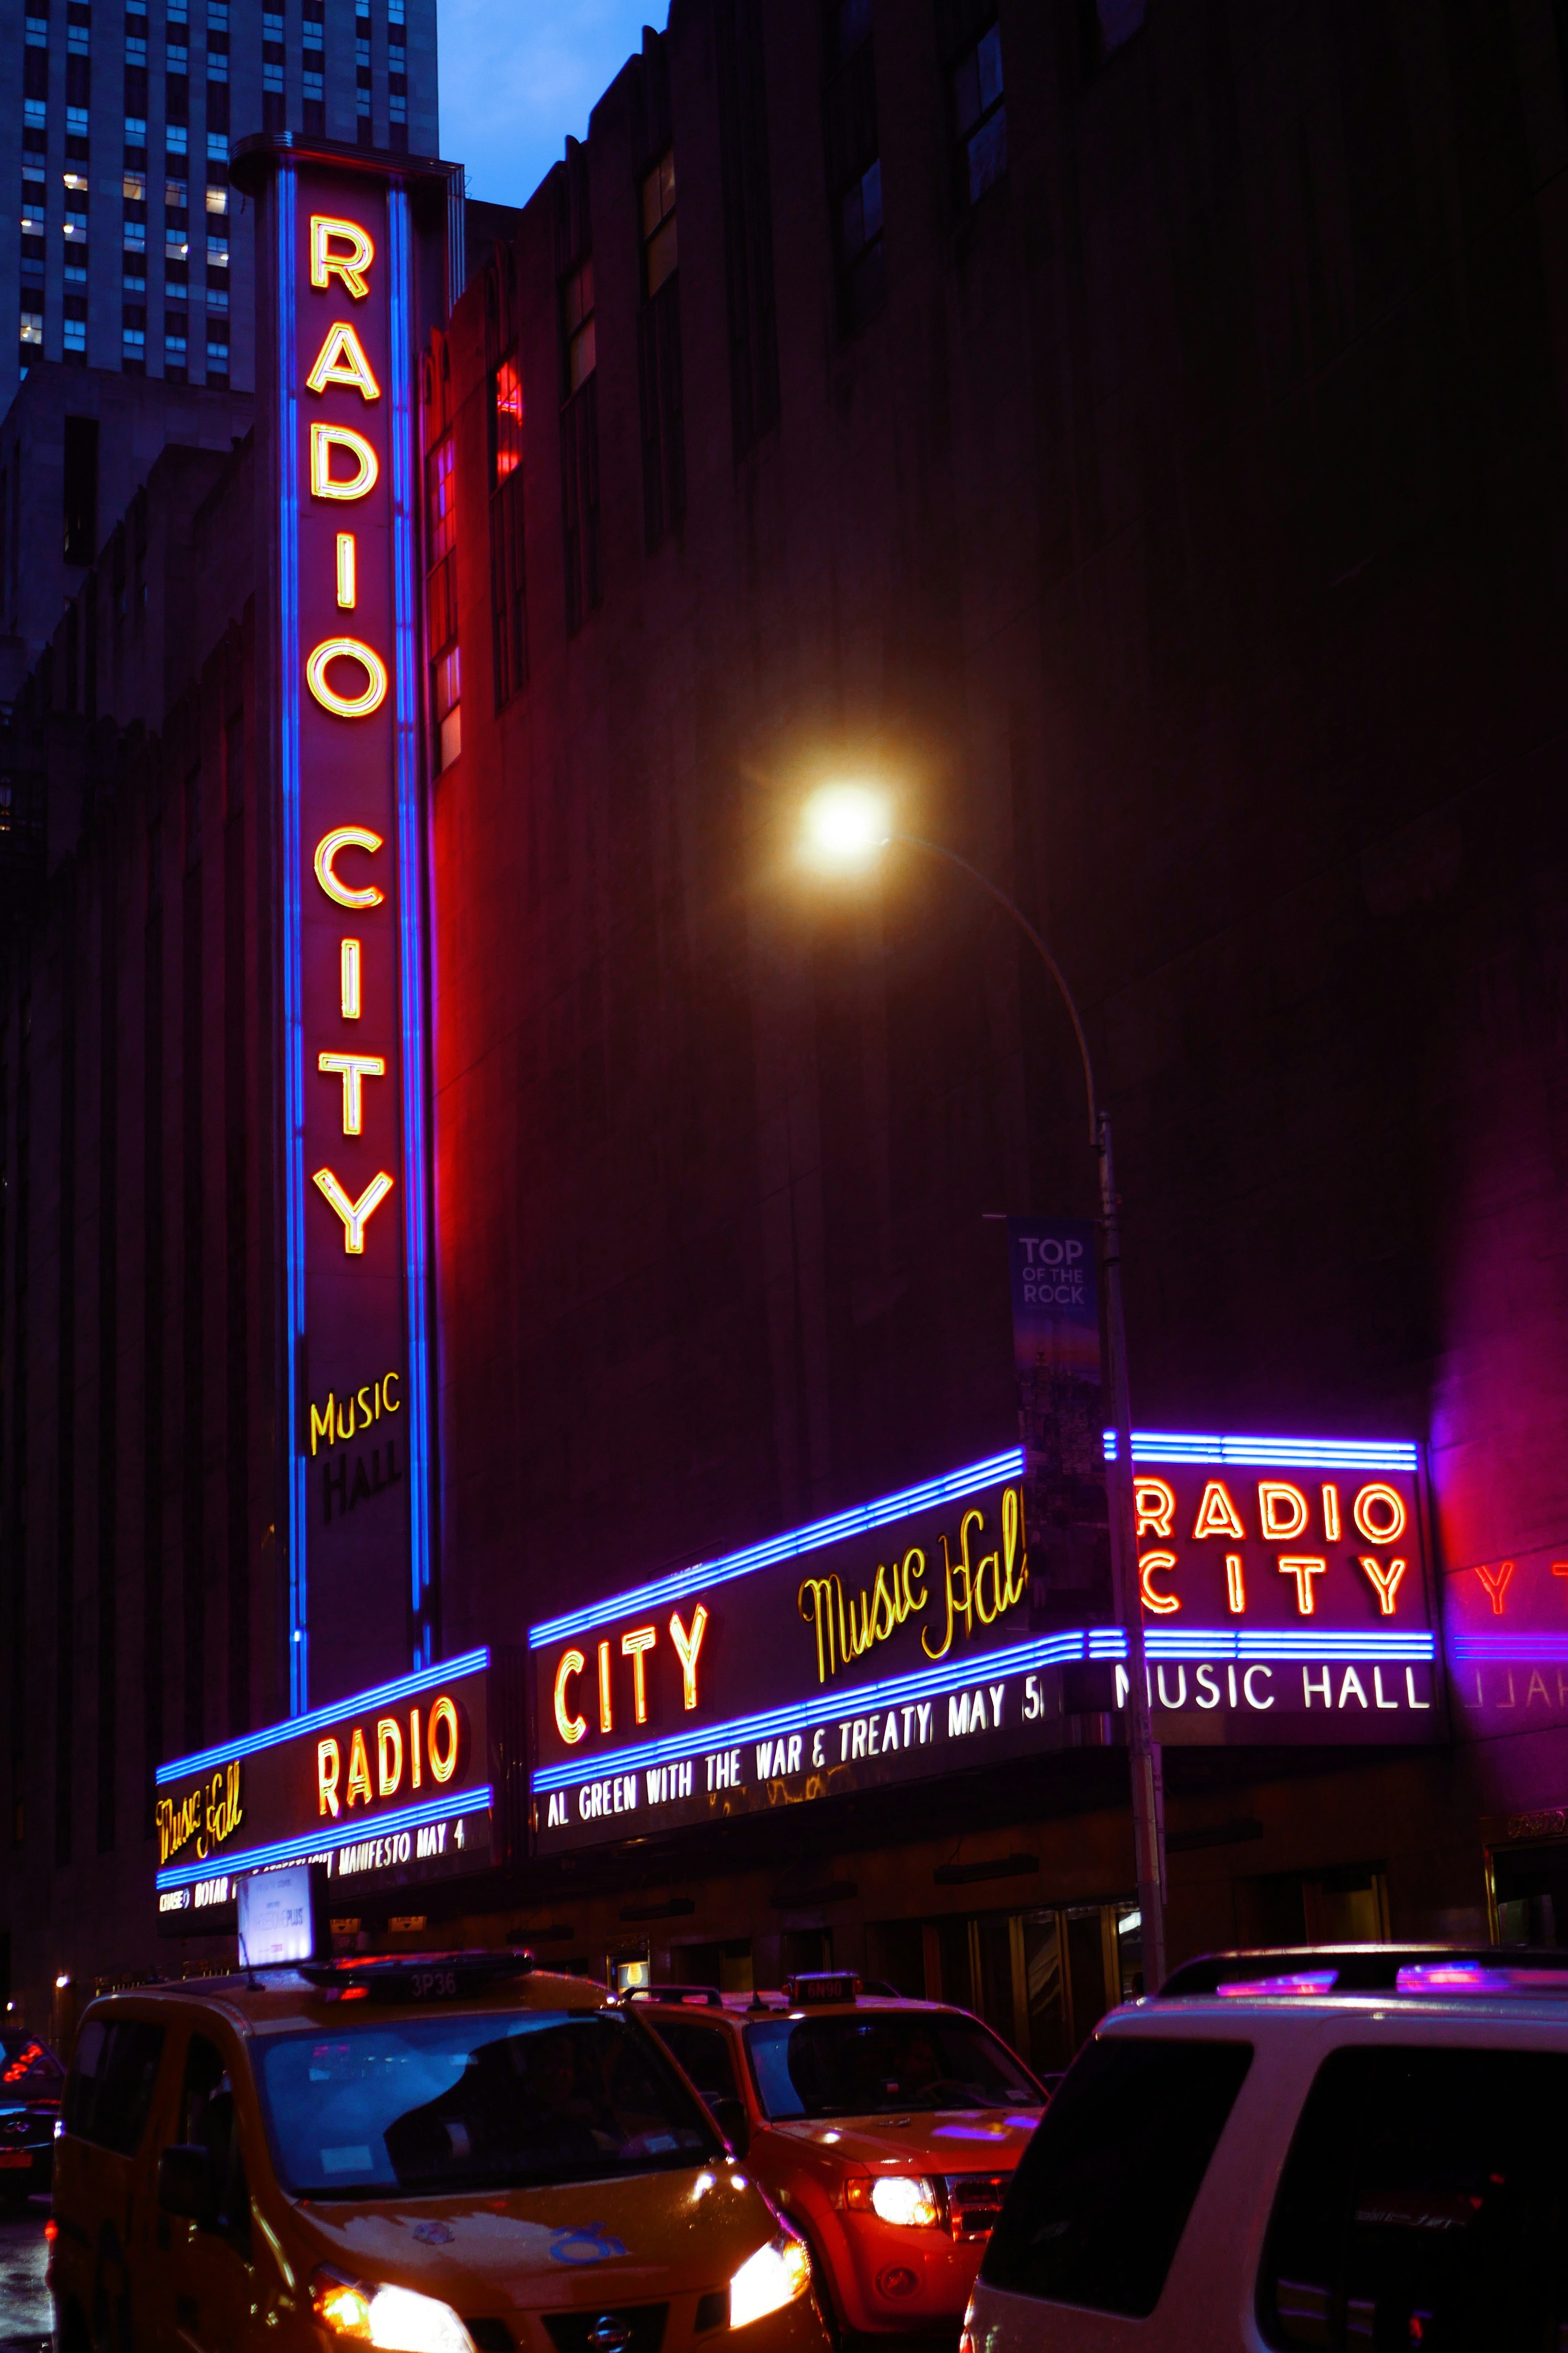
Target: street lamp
<point x="848" y="826"/>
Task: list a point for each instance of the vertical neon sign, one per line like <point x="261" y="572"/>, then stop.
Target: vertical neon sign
<point x="343" y="662"/>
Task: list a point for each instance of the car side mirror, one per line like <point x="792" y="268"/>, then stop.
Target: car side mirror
<point x="185" y="2183"/>
<point x="732" y="2121"/>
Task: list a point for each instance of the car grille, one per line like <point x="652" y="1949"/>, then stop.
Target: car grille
<point x="974" y="2203"/>
<point x="572" y="2332"/>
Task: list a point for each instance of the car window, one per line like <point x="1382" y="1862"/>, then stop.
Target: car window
<point x="29" y="2066"/>
<point x="432" y="2104"/>
<point x="207" y="2120"/>
<point x="704" y="2052"/>
<point x="1097" y="2206"/>
<point x="1424" y="2201"/>
<point x="873" y="2063"/>
<point x="110" y="2087"/>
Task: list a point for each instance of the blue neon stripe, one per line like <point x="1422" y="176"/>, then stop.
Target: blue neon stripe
<point x="295" y="1727"/>
<point x="293" y="986"/>
<point x="1521" y="1649"/>
<point x="858" y="1520"/>
<point x="831" y="1707"/>
<point x="1224" y="1642"/>
<point x="1288" y="1453"/>
<point x="410" y="897"/>
<point x="296" y="1849"/>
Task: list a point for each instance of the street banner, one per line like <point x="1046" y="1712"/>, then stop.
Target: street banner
<point x="1061" y="1418"/>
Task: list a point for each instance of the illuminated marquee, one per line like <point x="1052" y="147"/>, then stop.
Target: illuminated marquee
<point x="418" y="1777"/>
<point x="354" y="275"/>
<point x="1285" y="1594"/>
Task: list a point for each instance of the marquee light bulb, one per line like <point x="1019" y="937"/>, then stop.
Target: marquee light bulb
<point x="846" y="825"/>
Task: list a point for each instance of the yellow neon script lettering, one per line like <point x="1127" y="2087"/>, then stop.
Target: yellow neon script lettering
<point x="224" y="1811"/>
<point x="352" y="1068"/>
<point x="345" y="837"/>
<point x="445" y="1711"/>
<point x="1281" y="1511"/>
<point x="571" y="1727"/>
<point x="1162" y="1604"/>
<point x="388" y="1756"/>
<point x="348" y="974"/>
<point x="1385" y="1581"/>
<point x="325" y="484"/>
<point x="1303" y="1569"/>
<point x="1371" y="1503"/>
<point x="370" y="696"/>
<point x="342" y="360"/>
<point x="348" y="591"/>
<point x="687" y="1647"/>
<point x="355" y="1215"/>
<point x="634" y="1646"/>
<point x="1217" y="1515"/>
<point x="349" y="267"/>
<point x="329" y="1764"/>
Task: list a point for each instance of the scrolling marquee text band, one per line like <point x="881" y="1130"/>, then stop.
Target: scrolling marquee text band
<point x="341" y="250"/>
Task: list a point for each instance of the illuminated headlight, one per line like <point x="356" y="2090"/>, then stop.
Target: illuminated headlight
<point x="906" y="2199"/>
<point x="399" y="2319"/>
<point x="769" y="2279"/>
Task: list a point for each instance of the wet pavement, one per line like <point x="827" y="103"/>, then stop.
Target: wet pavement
<point x="25" y="2316"/>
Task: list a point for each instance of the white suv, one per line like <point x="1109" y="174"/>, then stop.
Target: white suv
<point x="1364" y="2148"/>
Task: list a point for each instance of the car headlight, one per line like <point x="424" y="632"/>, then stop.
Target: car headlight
<point x="908" y="2200"/>
<point x="769" y="2279"/>
<point x="399" y="2319"/>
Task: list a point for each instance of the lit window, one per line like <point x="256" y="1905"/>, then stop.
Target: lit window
<point x="32" y="327"/>
<point x="134" y="187"/>
<point x="217" y="200"/>
<point x="32" y="217"/>
<point x="217" y="252"/>
<point x="979" y="117"/>
<point x="577" y="322"/>
<point x="135" y="235"/>
<point x="441" y="597"/>
<point x="507" y="419"/>
<point x="659" y="223"/>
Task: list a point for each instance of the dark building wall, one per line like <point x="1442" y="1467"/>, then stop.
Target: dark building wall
<point x="1184" y="537"/>
<point x="136" y="1446"/>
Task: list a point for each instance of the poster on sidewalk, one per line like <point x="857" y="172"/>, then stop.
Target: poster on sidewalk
<point x="1061" y="1418"/>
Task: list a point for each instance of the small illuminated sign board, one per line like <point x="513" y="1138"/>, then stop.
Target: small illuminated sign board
<point x="413" y="1781"/>
<point x="1286" y="1599"/>
<point x="352" y="272"/>
<point x="279" y="1915"/>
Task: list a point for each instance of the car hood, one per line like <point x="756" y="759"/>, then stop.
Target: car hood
<point x="638" y="2239"/>
<point x="943" y="2141"/>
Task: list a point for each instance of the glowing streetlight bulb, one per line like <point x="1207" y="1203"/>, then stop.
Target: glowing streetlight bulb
<point x="846" y="825"/>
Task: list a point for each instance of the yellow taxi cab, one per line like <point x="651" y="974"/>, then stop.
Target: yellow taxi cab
<point x="444" y="2155"/>
<point x="886" y="2129"/>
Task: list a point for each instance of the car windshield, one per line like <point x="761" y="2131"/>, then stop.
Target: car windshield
<point x="29" y="2066"/>
<point x="433" y="2104"/>
<point x="872" y="2062"/>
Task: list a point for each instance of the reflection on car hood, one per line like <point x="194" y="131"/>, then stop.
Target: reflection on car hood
<point x="942" y="2140"/>
<point x="638" y="2239"/>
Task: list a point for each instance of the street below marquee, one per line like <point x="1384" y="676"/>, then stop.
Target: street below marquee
<point x="24" y="2316"/>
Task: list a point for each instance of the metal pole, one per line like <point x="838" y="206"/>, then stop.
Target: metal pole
<point x="1143" y="1752"/>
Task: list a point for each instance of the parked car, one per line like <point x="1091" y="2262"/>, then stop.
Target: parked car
<point x="31" y="2079"/>
<point x="886" y="2129"/>
<point x="1354" y="2147"/>
<point x="442" y="2155"/>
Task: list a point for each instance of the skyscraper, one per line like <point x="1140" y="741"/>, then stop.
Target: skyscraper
<point x="134" y="253"/>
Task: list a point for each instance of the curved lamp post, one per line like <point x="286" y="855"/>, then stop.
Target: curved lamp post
<point x="847" y="826"/>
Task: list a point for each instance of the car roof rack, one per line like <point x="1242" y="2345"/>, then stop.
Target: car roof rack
<point x="676" y="1993"/>
<point x="1430" y="1970"/>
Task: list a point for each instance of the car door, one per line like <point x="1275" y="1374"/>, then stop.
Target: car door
<point x="103" y="2179"/>
<point x="707" y="2054"/>
<point x="205" y="2288"/>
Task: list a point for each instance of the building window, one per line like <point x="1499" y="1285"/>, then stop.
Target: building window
<point x="580" y="444"/>
<point x="659" y="357"/>
<point x="33" y="329"/>
<point x="509" y="608"/>
<point x="1109" y="25"/>
<point x="979" y="117"/>
<point x="441" y="598"/>
<point x="854" y="163"/>
<point x="748" y="222"/>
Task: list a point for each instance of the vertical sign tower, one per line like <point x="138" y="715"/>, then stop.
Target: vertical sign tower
<point x="354" y="249"/>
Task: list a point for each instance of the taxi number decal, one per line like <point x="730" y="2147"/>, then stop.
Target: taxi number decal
<point x="428" y="1985"/>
